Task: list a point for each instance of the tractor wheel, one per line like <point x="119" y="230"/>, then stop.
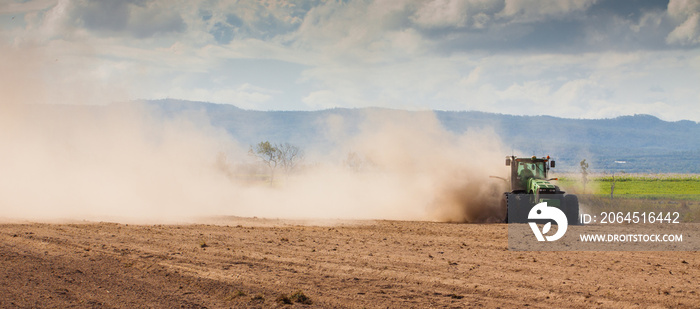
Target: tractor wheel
<point x="571" y="209"/>
<point x="518" y="206"/>
<point x="504" y="206"/>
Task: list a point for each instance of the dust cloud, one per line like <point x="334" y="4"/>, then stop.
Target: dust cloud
<point x="106" y="163"/>
<point x="126" y="163"/>
<point x="122" y="163"/>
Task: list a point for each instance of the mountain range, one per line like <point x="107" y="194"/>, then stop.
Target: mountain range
<point x="632" y="144"/>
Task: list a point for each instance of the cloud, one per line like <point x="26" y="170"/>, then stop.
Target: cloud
<point x="24" y="7"/>
<point x="441" y="13"/>
<point x="688" y="32"/>
<point x="244" y="96"/>
<point x="536" y="10"/>
<point x="227" y="21"/>
<point x="355" y="32"/>
<point x="321" y="99"/>
<point x="456" y="14"/>
<point x="488" y="55"/>
<point x="682" y="10"/>
<point x="140" y="19"/>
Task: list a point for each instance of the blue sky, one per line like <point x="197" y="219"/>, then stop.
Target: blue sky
<point x="565" y="58"/>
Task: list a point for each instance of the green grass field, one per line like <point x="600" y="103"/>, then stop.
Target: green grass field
<point x="635" y="184"/>
<point x="639" y="192"/>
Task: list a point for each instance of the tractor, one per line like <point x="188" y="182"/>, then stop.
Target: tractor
<point x="529" y="186"/>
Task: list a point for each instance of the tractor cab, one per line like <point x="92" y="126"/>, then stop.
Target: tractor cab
<point x="523" y="170"/>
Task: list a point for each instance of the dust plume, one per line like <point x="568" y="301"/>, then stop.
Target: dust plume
<point x="443" y="176"/>
<point x="406" y="167"/>
<point x="68" y="162"/>
<point x="129" y="163"/>
<point x="124" y="163"/>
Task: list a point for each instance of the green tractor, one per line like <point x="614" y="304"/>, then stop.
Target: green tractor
<point x="530" y="186"/>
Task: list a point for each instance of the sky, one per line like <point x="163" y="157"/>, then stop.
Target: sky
<point x="564" y="58"/>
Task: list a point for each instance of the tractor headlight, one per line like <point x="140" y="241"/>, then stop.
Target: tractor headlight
<point x="547" y="191"/>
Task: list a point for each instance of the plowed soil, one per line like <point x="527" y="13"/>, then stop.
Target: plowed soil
<point x="239" y="262"/>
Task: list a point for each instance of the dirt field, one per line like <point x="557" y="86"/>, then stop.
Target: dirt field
<point x="253" y="262"/>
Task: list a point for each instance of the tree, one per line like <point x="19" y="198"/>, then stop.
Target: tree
<point x="353" y="161"/>
<point x="268" y="154"/>
<point x="584" y="174"/>
<point x="290" y="156"/>
<point x="284" y="155"/>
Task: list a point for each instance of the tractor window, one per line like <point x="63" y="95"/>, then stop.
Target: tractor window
<point x="537" y="168"/>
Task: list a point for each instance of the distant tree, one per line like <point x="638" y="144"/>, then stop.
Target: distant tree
<point x="584" y="174"/>
<point x="269" y="154"/>
<point x="290" y="156"/>
<point x="286" y="156"/>
<point x="353" y="161"/>
<point x="356" y="162"/>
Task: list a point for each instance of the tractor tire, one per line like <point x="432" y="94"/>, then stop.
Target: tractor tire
<point x="504" y="205"/>
<point x="571" y="209"/>
<point x="518" y="206"/>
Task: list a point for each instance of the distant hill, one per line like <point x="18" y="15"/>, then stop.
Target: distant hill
<point x="634" y="144"/>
